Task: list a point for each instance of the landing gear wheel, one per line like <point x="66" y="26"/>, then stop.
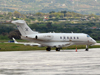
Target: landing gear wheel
<point x="57" y="49"/>
<point x="48" y="49"/>
<point x="86" y="48"/>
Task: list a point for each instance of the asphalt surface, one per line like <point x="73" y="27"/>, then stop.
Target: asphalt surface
<point x="41" y="62"/>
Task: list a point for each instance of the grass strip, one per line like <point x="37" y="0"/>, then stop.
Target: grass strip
<point x="19" y="47"/>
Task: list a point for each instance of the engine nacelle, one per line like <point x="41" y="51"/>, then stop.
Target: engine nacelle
<point x="43" y="37"/>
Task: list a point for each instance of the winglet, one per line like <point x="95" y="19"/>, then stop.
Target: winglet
<point x="14" y="40"/>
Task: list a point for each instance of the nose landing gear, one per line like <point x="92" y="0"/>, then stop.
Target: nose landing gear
<point x="86" y="48"/>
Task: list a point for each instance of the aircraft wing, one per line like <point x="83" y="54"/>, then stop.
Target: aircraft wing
<point x="59" y="44"/>
<point x="26" y="43"/>
<point x="66" y="44"/>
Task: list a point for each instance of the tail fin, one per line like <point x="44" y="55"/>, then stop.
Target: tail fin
<point x="23" y="27"/>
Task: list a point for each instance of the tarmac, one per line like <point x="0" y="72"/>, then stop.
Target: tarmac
<point x="41" y="62"/>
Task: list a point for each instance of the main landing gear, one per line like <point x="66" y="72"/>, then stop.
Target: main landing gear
<point x="86" y="48"/>
<point x="49" y="49"/>
<point x="57" y="49"/>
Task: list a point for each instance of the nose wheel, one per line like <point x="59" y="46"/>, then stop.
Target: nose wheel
<point x="87" y="49"/>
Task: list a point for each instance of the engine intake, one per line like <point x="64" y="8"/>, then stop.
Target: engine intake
<point x="43" y="37"/>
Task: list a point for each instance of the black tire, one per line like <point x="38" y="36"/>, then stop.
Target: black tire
<point x="57" y="49"/>
<point x="87" y="49"/>
<point x="48" y="49"/>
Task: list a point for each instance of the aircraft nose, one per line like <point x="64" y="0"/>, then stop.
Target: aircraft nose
<point x="93" y="41"/>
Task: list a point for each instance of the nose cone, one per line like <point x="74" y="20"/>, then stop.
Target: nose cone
<point x="93" y="42"/>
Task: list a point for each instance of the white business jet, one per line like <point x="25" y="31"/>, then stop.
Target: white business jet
<point x="57" y="40"/>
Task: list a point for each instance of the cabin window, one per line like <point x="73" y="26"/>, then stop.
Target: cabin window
<point x="67" y="37"/>
<point x="60" y="37"/>
<point x="64" y="37"/>
<point x="77" y="37"/>
<point x="70" y="37"/>
<point x="74" y="37"/>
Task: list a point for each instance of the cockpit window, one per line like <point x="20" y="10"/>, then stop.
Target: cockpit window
<point x="88" y="36"/>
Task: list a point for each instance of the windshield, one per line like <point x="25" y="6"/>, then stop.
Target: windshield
<point x="88" y="36"/>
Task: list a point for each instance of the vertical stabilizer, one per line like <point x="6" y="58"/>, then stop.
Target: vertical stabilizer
<point x="23" y="27"/>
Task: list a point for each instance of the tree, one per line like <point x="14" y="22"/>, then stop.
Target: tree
<point x="16" y="34"/>
<point x="10" y="14"/>
<point x="49" y="25"/>
<point x="51" y="12"/>
<point x="64" y="12"/>
<point x="17" y="14"/>
<point x="39" y="14"/>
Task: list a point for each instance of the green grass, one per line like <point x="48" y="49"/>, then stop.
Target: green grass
<point x="98" y="41"/>
<point x="82" y="46"/>
<point x="19" y="47"/>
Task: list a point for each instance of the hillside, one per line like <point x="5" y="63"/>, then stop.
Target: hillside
<point x="80" y="6"/>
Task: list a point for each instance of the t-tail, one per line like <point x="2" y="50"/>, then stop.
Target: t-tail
<point x="23" y="27"/>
